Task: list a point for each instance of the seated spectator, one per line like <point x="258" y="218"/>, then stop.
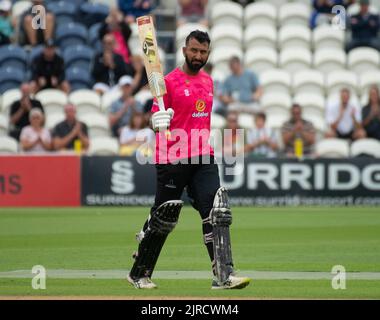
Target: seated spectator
<point x="20" y="110"/>
<point x="371" y="114"/>
<point x="344" y="118"/>
<point x="35" y="138"/>
<point x="128" y="136"/>
<point x="217" y="106"/>
<point x="6" y="22"/>
<point x="116" y="25"/>
<point x="261" y="141"/>
<point x="108" y="67"/>
<point x="39" y="35"/>
<point x="66" y="133"/>
<point x="121" y="110"/>
<point x="135" y="8"/>
<point x="322" y="13"/>
<point x="232" y="143"/>
<point x="298" y="129"/>
<point x="193" y="11"/>
<point x="48" y="70"/>
<point x="364" y="27"/>
<point x="241" y="89"/>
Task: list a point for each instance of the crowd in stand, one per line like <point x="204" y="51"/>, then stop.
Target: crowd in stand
<point x="115" y="68"/>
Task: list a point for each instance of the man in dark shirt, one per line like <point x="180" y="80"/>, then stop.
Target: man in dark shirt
<point x="66" y="133"/>
<point x="108" y="66"/>
<point x="364" y="27"/>
<point x="19" y="111"/>
<point x="371" y="114"/>
<point x="48" y="70"/>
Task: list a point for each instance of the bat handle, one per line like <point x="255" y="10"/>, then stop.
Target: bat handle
<point x="161" y="106"/>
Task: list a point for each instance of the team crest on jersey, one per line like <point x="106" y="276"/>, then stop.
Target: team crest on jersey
<point x="200" y="106"/>
<point x="187" y="92"/>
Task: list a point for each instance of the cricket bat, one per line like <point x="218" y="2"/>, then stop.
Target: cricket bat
<point x="153" y="67"/>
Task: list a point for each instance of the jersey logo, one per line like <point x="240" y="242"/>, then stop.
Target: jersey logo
<point x="200" y="105"/>
<point x="187" y="92"/>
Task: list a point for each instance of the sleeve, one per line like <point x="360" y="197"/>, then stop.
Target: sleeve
<point x="167" y="99"/>
<point x="330" y="114"/>
<point x="56" y="132"/>
<point x="61" y="74"/>
<point x="14" y="107"/>
<point x="254" y="81"/>
<point x="85" y="129"/>
<point x="226" y="87"/>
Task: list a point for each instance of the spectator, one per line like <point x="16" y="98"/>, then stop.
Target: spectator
<point x="364" y="28"/>
<point x="116" y="25"/>
<point x="241" y="89"/>
<point x="45" y="32"/>
<point x="217" y="106"/>
<point x="6" y="23"/>
<point x="232" y="141"/>
<point x="193" y="11"/>
<point x="108" y="66"/>
<point x="35" y="138"/>
<point x="20" y="110"/>
<point x="66" y="133"/>
<point x="48" y="70"/>
<point x="322" y="13"/>
<point x="122" y="109"/>
<point x="298" y="129"/>
<point x="135" y="8"/>
<point x="128" y="136"/>
<point x="344" y="118"/>
<point x="371" y="114"/>
<point x="261" y="141"/>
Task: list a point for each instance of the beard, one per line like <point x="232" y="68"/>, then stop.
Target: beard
<point x="195" y="67"/>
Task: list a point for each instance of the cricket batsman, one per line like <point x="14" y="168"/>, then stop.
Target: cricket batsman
<point x="188" y="104"/>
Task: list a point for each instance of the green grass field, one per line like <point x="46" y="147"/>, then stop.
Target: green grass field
<point x="264" y="239"/>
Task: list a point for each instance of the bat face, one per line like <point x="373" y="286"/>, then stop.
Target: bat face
<point x="152" y="62"/>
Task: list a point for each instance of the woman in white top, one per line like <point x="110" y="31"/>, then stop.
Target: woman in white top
<point x="35" y="138"/>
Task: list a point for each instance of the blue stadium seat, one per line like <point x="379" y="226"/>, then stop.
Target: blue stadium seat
<point x="78" y="56"/>
<point x="13" y="56"/>
<point x="71" y="34"/>
<point x="94" y="39"/>
<point x="79" y="78"/>
<point x="65" y="12"/>
<point x="93" y="13"/>
<point x="10" y="78"/>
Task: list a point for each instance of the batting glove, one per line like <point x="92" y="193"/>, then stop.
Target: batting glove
<point x="161" y="119"/>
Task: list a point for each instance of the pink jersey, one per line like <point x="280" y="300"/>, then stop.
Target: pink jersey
<point x="191" y="99"/>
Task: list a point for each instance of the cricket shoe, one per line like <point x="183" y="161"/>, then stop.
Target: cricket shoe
<point x="142" y="283"/>
<point x="233" y="282"/>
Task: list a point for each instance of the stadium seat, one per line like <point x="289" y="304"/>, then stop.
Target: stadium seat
<point x="246" y="121"/>
<point x="78" y="56"/>
<point x="9" y="97"/>
<point x="363" y="59"/>
<point x="217" y="121"/>
<point x="98" y="125"/>
<point x="339" y="79"/>
<point x="325" y="36"/>
<point x="4" y="122"/>
<point x="308" y="81"/>
<point x="93" y="37"/>
<point x="332" y="148"/>
<point x="365" y="147"/>
<point x="275" y="81"/>
<point x="110" y="3"/>
<point x="134" y="41"/>
<point x="260" y="59"/>
<point x="13" y="56"/>
<point x="312" y="104"/>
<point x="105" y="146"/>
<point x="294" y="13"/>
<point x="226" y="35"/>
<point x="318" y="122"/>
<point x="8" y="145"/>
<point x="92" y="13"/>
<point x="329" y="59"/>
<point x="34" y="53"/>
<point x="260" y="36"/>
<point x="276" y="3"/>
<point x="368" y="78"/>
<point x="53" y="100"/>
<point x="19" y="7"/>
<point x="220" y="57"/>
<point x="86" y="101"/>
<point x="260" y="13"/>
<point x="279" y="103"/>
<point x="295" y="60"/>
<point x="181" y="32"/>
<point x="108" y="98"/>
<point x="71" y="34"/>
<point x="143" y="96"/>
<point x="10" y="78"/>
<point x="355" y="8"/>
<point x="64" y="11"/>
<point x="294" y="36"/>
<point x="79" y="78"/>
<point x="53" y="119"/>
<point x="226" y="12"/>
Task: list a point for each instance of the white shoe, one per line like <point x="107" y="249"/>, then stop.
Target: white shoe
<point x="233" y="282"/>
<point x="142" y="283"/>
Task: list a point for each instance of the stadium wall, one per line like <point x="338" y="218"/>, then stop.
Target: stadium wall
<point x="118" y="181"/>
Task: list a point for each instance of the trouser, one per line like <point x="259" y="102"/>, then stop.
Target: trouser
<point x="201" y="182"/>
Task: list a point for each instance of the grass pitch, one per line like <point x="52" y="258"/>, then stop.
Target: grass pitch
<point x="263" y="239"/>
